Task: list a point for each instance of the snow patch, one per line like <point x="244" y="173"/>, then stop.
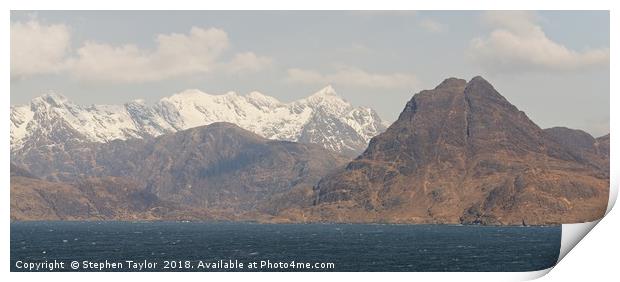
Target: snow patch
<point x="256" y="112"/>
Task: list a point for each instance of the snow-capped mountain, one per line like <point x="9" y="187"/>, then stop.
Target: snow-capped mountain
<point x="322" y="118"/>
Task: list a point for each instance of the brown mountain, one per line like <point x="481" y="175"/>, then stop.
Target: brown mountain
<point x="20" y="171"/>
<point x="584" y="147"/>
<point x="461" y="153"/>
<point x="602" y="144"/>
<point x="219" y="169"/>
<point x="110" y="198"/>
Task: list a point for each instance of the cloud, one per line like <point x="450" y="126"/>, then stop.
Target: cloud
<point x="37" y="49"/>
<point x="517" y="44"/>
<point x="351" y="76"/>
<point x="200" y="51"/>
<point x="431" y="25"/>
<point x="248" y="62"/>
<point x="175" y="55"/>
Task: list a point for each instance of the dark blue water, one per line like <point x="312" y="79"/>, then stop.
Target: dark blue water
<point x="350" y="247"/>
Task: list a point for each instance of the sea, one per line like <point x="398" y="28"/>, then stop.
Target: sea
<point x="231" y="246"/>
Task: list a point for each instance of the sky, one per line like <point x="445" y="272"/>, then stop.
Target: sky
<point x="553" y="65"/>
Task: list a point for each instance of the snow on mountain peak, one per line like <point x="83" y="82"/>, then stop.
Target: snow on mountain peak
<point x="327" y="100"/>
<point x="326" y="91"/>
<point x="138" y="101"/>
<point x="231" y="94"/>
<point x="188" y="94"/>
<point x="50" y="99"/>
<point x="261" y="99"/>
<point x="322" y="118"/>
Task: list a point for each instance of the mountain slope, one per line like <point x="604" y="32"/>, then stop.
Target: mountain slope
<point x="220" y="167"/>
<point x="587" y="149"/>
<point x="602" y="144"/>
<point x="461" y="153"/>
<point x="322" y="118"/>
<point x="107" y="198"/>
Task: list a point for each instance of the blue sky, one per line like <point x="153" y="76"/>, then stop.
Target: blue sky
<point x="554" y="65"/>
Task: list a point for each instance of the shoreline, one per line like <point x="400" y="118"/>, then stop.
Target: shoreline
<point x="286" y="223"/>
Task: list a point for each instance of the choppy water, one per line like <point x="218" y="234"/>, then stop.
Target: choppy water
<point x="350" y="247"/>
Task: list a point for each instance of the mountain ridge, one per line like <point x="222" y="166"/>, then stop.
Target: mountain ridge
<point x="461" y="153"/>
<point x="219" y="167"/>
<point x="259" y="113"/>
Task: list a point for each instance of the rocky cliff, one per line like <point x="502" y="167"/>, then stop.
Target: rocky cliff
<point x="461" y="153"/>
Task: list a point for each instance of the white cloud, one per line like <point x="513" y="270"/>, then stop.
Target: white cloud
<point x="351" y="76"/>
<point x="40" y="49"/>
<point x="306" y="76"/>
<point x="516" y="21"/>
<point x="175" y="55"/>
<point x="517" y="43"/>
<point x="248" y="62"/>
<point x="37" y="49"/>
<point x="431" y="25"/>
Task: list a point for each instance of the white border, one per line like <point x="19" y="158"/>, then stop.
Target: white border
<point x="570" y="272"/>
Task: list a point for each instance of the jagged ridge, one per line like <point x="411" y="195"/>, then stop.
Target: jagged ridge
<point x="322" y="118"/>
<point x="461" y="153"/>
